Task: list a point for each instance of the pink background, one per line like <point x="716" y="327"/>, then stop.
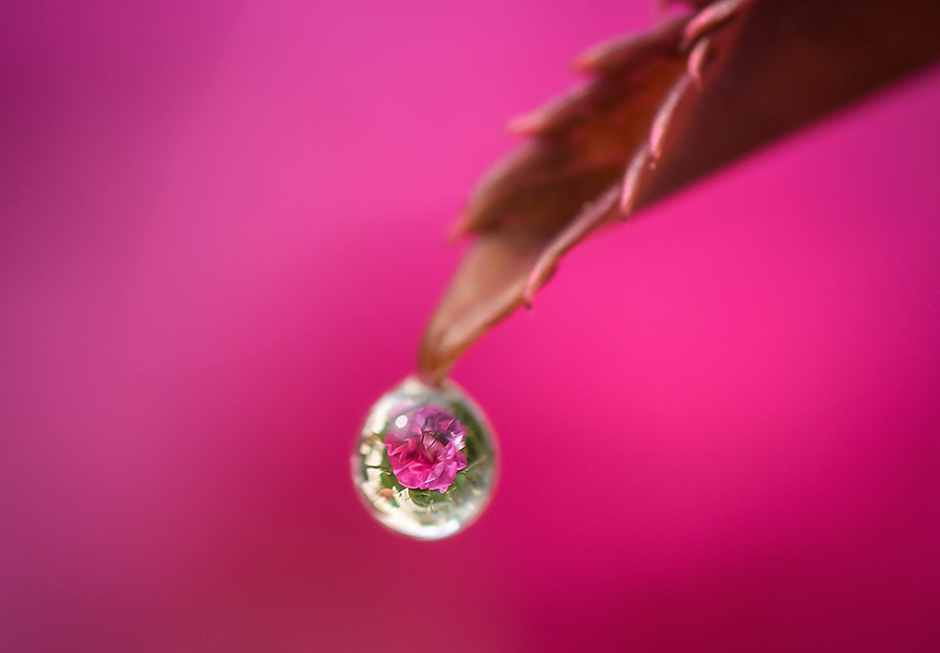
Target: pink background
<point x="222" y="231"/>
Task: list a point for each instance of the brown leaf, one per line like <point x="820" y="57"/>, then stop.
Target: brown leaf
<point x="486" y="288"/>
<point x="666" y="107"/>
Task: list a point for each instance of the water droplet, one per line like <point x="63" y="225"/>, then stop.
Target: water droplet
<point x="425" y="462"/>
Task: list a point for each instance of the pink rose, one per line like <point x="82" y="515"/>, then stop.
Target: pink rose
<point x="424" y="448"/>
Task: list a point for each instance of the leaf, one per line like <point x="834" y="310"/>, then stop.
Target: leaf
<point x="664" y="108"/>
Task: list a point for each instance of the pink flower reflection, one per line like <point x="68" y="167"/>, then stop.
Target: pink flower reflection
<point x="425" y="451"/>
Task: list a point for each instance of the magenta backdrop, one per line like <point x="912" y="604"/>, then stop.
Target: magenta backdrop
<point x="222" y="231"/>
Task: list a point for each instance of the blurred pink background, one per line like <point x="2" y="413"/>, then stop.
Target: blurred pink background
<point x="222" y="231"/>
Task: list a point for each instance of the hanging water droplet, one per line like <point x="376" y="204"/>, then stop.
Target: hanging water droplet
<point x="425" y="462"/>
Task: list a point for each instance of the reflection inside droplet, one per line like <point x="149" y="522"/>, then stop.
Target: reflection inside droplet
<point x="426" y="460"/>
